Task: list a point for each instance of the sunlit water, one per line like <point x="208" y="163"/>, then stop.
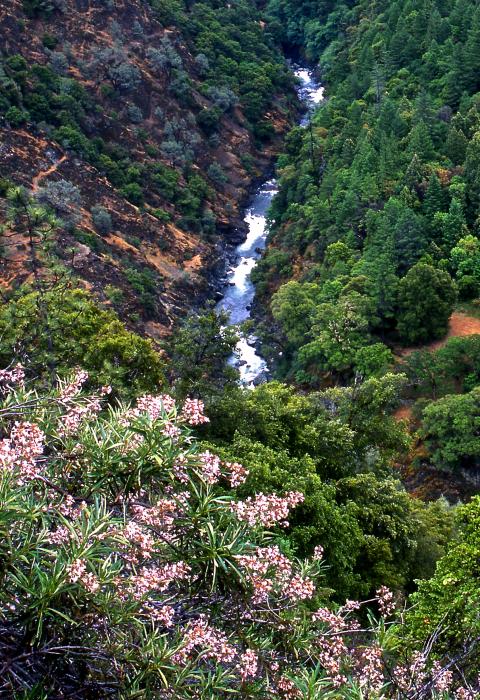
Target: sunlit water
<point x="239" y="292"/>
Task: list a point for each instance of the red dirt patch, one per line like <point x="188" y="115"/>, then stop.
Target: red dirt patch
<point x="403" y="413"/>
<point x="460" y="326"/>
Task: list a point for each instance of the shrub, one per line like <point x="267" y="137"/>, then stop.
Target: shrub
<point x="74" y="331"/>
<point x="133" y="192"/>
<point x="64" y="198"/>
<point x="123" y="547"/>
<point x="216" y="173"/>
<point x="125" y="76"/>
<point x="134" y="114"/>
<point x="16" y="117"/>
<point x="209" y="120"/>
<point x="101" y="219"/>
<point x="49" y="41"/>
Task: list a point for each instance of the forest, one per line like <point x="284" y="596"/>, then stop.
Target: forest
<point x="167" y="532"/>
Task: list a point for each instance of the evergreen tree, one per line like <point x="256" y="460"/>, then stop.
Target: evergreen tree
<point x="426" y="297"/>
<point x="456" y="146"/>
<point x="472" y="177"/>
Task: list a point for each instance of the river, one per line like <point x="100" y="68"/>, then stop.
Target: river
<point x="239" y="291"/>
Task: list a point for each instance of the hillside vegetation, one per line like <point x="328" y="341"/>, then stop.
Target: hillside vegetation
<point x="166" y="533"/>
<point x="142" y="125"/>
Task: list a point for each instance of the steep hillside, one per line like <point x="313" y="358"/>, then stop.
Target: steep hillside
<point x="142" y="125"/>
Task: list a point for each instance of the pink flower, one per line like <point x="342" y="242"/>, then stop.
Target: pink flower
<point x="248" y="664"/>
<point x="288" y="689"/>
<point x="237" y="473"/>
<point x="209" y="467"/>
<point x="193" y="412"/>
<point x="299" y="588"/>
<point x="171" y="430"/>
<point x="385" y="601"/>
<point x="213" y="642"/>
<point x="76" y="570"/>
<point x="155" y="406"/>
<point x="73" y="388"/>
<point x="180" y="466"/>
<point x="12" y="377"/>
<point x="267" y="509"/>
<point x="464" y="694"/>
<point x="157" y="578"/>
<point x="28" y="443"/>
<point x="163" y="615"/>
<point x="75" y="416"/>
<point x="370" y="672"/>
<point x="61" y="535"/>
<point x="441" y="677"/>
<point x="318" y="552"/>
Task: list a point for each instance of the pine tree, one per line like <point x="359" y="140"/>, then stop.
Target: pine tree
<point x="420" y="142"/>
<point x="435" y="198"/>
<point x="472" y="55"/>
<point x="456" y="146"/>
<point x="454" y="225"/>
<point x="472" y="177"/>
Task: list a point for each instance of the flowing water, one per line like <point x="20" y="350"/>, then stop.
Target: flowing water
<point x="239" y="292"/>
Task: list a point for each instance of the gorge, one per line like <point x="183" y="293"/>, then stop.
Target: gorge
<point x="239" y="292"/>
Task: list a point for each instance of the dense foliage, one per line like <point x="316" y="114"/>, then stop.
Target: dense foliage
<point x="127" y="570"/>
<point x="149" y="551"/>
<point x="378" y="204"/>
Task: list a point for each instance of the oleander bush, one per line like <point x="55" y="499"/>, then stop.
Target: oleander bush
<point x="130" y="569"/>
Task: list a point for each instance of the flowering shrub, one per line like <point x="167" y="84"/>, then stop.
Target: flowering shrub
<point x="127" y="572"/>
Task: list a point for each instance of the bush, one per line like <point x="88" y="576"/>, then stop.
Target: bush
<point x="125" y="76"/>
<point x="209" y="120"/>
<point x="182" y="587"/>
<point x="49" y="41"/>
<point x="133" y="192"/>
<point x="16" y="117"/>
<point x="101" y="219"/>
<point x="74" y="331"/>
<point x="216" y="173"/>
<point x="134" y="114"/>
<point x="64" y="198"/>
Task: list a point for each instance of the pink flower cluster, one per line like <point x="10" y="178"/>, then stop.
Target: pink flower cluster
<point x="385" y="601"/>
<point x="140" y="542"/>
<point x="10" y="378"/>
<point x="75" y="416"/>
<point x="288" y="689"/>
<point x="269" y="571"/>
<point x="164" y="614"/>
<point x="210" y="467"/>
<point x="370" y="670"/>
<point x="442" y="677"/>
<point x="248" y="664"/>
<point x="155" y="406"/>
<point x="212" y="642"/>
<point x="157" y="578"/>
<point x="162" y="515"/>
<point x="74" y="386"/>
<point x="267" y="509"/>
<point x="193" y="412"/>
<point x="236" y="473"/>
<point x="77" y="572"/>
<point x="22" y="449"/>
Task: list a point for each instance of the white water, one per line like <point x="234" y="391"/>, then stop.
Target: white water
<point x="240" y="291"/>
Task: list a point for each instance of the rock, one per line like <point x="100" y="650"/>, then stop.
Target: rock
<point x="261" y="378"/>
